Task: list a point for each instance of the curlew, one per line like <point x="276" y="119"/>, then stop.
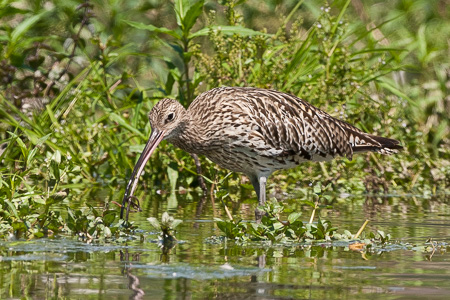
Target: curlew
<point x="255" y="132"/>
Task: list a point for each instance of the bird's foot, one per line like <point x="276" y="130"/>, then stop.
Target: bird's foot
<point x="132" y="202"/>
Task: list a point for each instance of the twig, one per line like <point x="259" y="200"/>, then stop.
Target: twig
<point x="226" y="210"/>
<point x="361" y="229"/>
<point x="433" y="244"/>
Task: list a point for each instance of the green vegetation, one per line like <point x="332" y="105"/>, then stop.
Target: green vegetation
<point x="78" y="78"/>
<point x="166" y="226"/>
<point x="292" y="230"/>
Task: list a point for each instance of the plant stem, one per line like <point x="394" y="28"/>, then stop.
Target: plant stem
<point x="186" y="70"/>
<point x="226" y="210"/>
<point x="313" y="213"/>
<point x="361" y="229"/>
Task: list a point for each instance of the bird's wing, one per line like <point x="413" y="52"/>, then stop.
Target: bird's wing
<point x="275" y="124"/>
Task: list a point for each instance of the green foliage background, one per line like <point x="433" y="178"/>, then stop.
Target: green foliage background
<point x="77" y="79"/>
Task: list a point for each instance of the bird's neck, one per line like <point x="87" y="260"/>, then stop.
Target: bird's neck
<point x="188" y="136"/>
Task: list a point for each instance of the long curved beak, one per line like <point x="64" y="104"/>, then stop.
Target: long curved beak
<point x="155" y="138"/>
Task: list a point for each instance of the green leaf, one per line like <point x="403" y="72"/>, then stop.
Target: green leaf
<point x="106" y="232"/>
<point x="192" y="16"/>
<point x="309" y="203"/>
<point x="293" y="217"/>
<point x="109" y="218"/>
<point x="42" y="140"/>
<point x="51" y="115"/>
<point x="318" y="188"/>
<point x="165" y="218"/>
<point x="394" y="90"/>
<point x="122" y="122"/>
<point x="176" y="222"/>
<point x="23" y="147"/>
<point x="19" y="226"/>
<point x="23" y="27"/>
<point x="227" y="30"/>
<point x="12" y="207"/>
<point x="54" y="167"/>
<point x="339" y="17"/>
<point x="154" y="222"/>
<point x="93" y="210"/>
<point x="302" y="54"/>
<point x="222" y="226"/>
<point x="277" y="225"/>
<point x="9" y="10"/>
<point x="172" y="173"/>
<point x="221" y="194"/>
<point x="181" y="8"/>
<point x="56" y="157"/>
<point x="155" y="29"/>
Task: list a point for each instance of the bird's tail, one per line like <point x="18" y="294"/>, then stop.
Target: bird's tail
<point x="350" y="140"/>
<point x="377" y="144"/>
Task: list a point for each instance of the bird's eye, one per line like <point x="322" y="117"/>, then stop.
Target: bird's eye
<point x="170" y="116"/>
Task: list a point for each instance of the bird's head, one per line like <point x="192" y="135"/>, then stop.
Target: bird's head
<point x="167" y="119"/>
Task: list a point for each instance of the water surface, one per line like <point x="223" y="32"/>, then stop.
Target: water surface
<point x="199" y="267"/>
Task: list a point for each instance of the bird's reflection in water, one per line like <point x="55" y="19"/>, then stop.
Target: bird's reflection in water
<point x="133" y="280"/>
<point x="166" y="246"/>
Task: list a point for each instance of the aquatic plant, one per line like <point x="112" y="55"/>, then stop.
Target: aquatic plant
<point x="166" y="226"/>
<point x="292" y="230"/>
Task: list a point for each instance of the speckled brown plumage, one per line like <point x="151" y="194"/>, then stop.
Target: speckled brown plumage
<point x="256" y="132"/>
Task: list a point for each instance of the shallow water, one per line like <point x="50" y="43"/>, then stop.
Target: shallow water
<point x="198" y="267"/>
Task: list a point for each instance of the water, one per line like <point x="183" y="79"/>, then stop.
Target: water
<point x="201" y="268"/>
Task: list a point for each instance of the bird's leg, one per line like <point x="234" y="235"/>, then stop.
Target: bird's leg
<point x="200" y="174"/>
<point x="259" y="184"/>
<point x="262" y="190"/>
